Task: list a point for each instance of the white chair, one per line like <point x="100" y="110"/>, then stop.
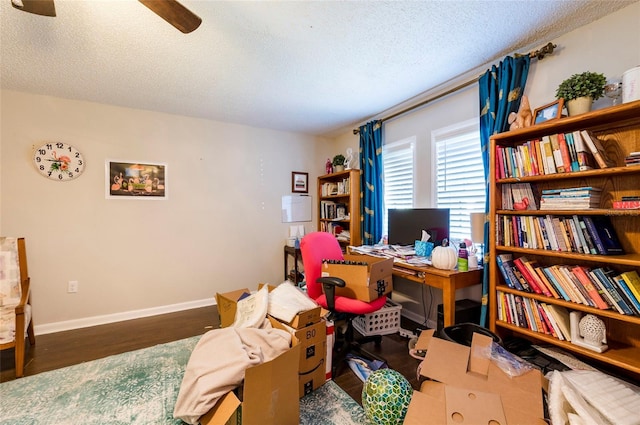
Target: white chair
<point x="15" y="300"/>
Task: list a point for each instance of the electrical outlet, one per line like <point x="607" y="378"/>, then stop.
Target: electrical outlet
<point x="72" y="288"/>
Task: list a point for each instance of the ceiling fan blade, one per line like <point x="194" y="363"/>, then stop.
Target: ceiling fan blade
<point x="39" y="7"/>
<point x="174" y="13"/>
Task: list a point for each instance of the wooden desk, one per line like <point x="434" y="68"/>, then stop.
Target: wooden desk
<point x="447" y="280"/>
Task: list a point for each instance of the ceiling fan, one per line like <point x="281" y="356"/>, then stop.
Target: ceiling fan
<point x="169" y="10"/>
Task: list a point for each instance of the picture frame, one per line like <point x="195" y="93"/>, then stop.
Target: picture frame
<point x="135" y="180"/>
<point x="550" y="111"/>
<point x="299" y="182"/>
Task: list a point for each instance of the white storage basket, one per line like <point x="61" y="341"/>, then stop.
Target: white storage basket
<point x="382" y="322"/>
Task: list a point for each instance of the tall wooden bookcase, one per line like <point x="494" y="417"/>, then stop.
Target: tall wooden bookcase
<point x="339" y="206"/>
<point x="618" y="127"/>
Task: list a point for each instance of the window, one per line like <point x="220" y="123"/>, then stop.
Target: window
<point x="398" y="159"/>
<point x="459" y="174"/>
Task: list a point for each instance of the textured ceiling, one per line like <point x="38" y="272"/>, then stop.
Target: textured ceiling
<point x="305" y="66"/>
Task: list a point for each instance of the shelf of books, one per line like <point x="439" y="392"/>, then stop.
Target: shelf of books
<point x="339" y="206"/>
<point x="565" y="197"/>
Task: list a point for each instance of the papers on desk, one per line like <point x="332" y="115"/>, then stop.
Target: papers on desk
<point x="400" y="254"/>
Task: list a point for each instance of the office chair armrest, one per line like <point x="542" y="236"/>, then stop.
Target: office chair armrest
<point x="329" y="287"/>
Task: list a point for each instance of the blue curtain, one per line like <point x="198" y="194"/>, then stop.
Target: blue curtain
<point x="501" y="89"/>
<point x="371" y="190"/>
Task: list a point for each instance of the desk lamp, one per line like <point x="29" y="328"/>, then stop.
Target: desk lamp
<point x="477" y="232"/>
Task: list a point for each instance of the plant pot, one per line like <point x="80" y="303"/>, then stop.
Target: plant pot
<point x="337" y="168"/>
<point x="579" y="106"/>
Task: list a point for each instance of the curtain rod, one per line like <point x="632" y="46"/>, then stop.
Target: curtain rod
<point x="539" y="54"/>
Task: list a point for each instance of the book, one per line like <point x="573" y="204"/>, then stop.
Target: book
<point x="626" y="205"/>
<point x="531" y="266"/>
<point x="587" y="237"/>
<point x="593" y="233"/>
<point x="568" y="289"/>
<point x="545" y="280"/>
<point x="633" y="282"/>
<point x="605" y="278"/>
<point x="520" y="313"/>
<point x="604" y="235"/>
<point x="561" y="316"/>
<point x="580" y="273"/>
<point x="564" y="152"/>
<point x="596" y="148"/>
<point x="547" y="151"/>
<point x="630" y="297"/>
<point x="572" y="280"/>
<point x="545" y="318"/>
<point x="552" y="320"/>
<point x="557" y="153"/>
<point x="520" y="265"/>
<point x="531" y="321"/>
<point x="572" y="152"/>
<point x="535" y="315"/>
<point x="582" y="153"/>
<point x="552" y="278"/>
<point x="580" y="234"/>
<point x="505" y="262"/>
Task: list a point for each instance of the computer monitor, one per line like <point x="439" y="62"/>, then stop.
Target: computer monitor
<point x="406" y="225"/>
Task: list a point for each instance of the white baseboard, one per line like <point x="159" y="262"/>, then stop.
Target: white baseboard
<point x="86" y="322"/>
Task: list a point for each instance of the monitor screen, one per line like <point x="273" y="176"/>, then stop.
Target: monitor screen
<point x="406" y="225"/>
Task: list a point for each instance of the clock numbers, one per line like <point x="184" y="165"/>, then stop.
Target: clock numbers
<point x="59" y="161"/>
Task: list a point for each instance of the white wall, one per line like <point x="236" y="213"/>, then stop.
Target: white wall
<point x="610" y="46"/>
<point x="220" y="228"/>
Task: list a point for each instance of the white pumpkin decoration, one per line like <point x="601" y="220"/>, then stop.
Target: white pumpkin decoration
<point x="444" y="257"/>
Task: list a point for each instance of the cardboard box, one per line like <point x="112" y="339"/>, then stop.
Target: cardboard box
<point x="365" y="282"/>
<point x="306" y="318"/>
<point x="269" y="395"/>
<point x="467" y="387"/>
<point x="302" y="319"/>
<point x="313" y="345"/>
<point x="270" y="392"/>
<point x="227" y="303"/>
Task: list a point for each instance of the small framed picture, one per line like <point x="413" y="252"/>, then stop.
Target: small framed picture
<point x="550" y="111"/>
<point x="299" y="182"/>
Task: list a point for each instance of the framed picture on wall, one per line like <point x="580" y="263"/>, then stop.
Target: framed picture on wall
<point x="135" y="180"/>
<point x="299" y="182"/>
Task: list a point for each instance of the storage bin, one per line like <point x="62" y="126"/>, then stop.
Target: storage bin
<point x="382" y="322"/>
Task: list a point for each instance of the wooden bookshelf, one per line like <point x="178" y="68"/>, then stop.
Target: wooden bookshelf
<point x="618" y="128"/>
<point x="339" y="206"/>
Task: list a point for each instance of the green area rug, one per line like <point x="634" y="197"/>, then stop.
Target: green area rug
<point x="139" y="387"/>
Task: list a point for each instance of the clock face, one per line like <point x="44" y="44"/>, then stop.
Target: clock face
<point x="58" y="161"/>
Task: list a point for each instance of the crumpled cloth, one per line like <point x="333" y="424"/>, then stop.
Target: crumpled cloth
<point x="218" y="363"/>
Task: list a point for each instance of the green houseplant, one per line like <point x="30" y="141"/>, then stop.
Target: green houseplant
<point x="338" y="162"/>
<point x="580" y="90"/>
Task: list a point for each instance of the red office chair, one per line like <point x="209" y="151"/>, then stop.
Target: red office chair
<point x="316" y="247"/>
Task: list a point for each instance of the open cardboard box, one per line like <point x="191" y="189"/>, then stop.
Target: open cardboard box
<point x="464" y="386"/>
<point x="269" y="391"/>
<point x="227" y="304"/>
<point x="365" y="282"/>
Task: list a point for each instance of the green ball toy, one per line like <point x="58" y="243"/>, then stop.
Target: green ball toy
<point x="385" y="397"/>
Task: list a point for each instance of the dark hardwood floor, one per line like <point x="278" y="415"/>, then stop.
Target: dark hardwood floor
<point x="53" y="351"/>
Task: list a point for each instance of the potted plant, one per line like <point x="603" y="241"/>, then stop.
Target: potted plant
<point x="580" y="90"/>
<point x="338" y="162"/>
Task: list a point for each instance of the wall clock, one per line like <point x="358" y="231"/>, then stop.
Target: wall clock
<point x="59" y="161"/>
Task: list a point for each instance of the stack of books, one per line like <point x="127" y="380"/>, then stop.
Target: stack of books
<point x="627" y="203"/>
<point x="632" y="159"/>
<point x="574" y="198"/>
